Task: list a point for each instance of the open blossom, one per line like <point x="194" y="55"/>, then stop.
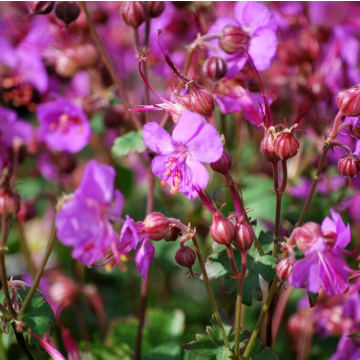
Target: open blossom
<point x="63" y="125"/>
<point x="259" y="26"/>
<point x="83" y="220"/>
<point x="181" y="155"/>
<point x="323" y="266"/>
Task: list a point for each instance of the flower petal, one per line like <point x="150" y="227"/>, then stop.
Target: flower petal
<point x="157" y="139"/>
<point x="144" y="256"/>
<point x="195" y="177"/>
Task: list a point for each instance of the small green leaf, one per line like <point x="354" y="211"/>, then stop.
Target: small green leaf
<point x="354" y="335"/>
<point x="97" y="124"/>
<point x="267" y="354"/>
<point x="312" y="298"/>
<point x="266" y="241"/>
<point x="131" y="141"/>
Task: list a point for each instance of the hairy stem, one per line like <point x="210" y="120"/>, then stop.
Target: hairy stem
<point x="240" y="283"/>
<point x="261" y="317"/>
<point x="108" y="63"/>
<point x="39" y="273"/>
<point x="22" y="343"/>
<point x="210" y="292"/>
<point x="5" y="228"/>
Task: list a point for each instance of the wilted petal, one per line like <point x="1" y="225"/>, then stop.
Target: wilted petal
<point x="144" y="256"/>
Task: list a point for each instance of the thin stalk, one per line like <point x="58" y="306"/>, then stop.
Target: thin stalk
<point x="261" y="317"/>
<point x="278" y="209"/>
<point x="5" y="228"/>
<point x="22" y="343"/>
<point x="5" y="312"/>
<point x="240" y="283"/>
<point x="109" y="64"/>
<point x="232" y="260"/>
<point x="210" y="293"/>
<point x="25" y="248"/>
<point x="39" y="273"/>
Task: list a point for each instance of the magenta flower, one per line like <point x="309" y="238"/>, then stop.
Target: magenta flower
<point x="83" y="220"/>
<point x="259" y="24"/>
<point x="323" y="266"/>
<point x="181" y="155"/>
<point x="63" y="125"/>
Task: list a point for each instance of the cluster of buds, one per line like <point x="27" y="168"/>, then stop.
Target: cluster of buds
<point x="135" y="13"/>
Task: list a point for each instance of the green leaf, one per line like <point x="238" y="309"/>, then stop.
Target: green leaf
<point x="266" y="241"/>
<point x="131" y="141"/>
<point x="164" y="352"/>
<point x="354" y="335"/>
<point x="267" y="354"/>
<point x="39" y="317"/>
<point x="97" y="124"/>
<point x="218" y="265"/>
<point x="312" y="298"/>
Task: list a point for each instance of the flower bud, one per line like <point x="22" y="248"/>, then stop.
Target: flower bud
<point x="348" y="101"/>
<point x="9" y="203"/>
<point x="349" y="166"/>
<point x="224" y="164"/>
<point x="307" y="235"/>
<point x="66" y="66"/>
<point x="172" y="234"/>
<point x="156" y="226"/>
<point x="222" y="230"/>
<point x="354" y="131"/>
<point x="114" y="116"/>
<point x="186" y="257"/>
<point x="27" y="211"/>
<point x="41" y="7"/>
<point x="232" y="39"/>
<point x="286" y="146"/>
<point x="215" y="68"/>
<point x="134" y="13"/>
<point x="244" y="236"/>
<point x="284" y="269"/>
<point x="66" y="163"/>
<point x="267" y="147"/>
<point x="67" y="11"/>
<point x="156" y="8"/>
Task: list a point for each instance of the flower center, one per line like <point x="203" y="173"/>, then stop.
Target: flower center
<point x="174" y="166"/>
<point x="65" y="122"/>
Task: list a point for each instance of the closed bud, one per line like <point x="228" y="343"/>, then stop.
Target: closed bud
<point x="156" y="8"/>
<point x="224" y="164"/>
<point x="67" y="11"/>
<point x="349" y="166"/>
<point x="244" y="236"/>
<point x="27" y="211"/>
<point x="41" y="7"/>
<point x="284" y="269"/>
<point x="156" y="226"/>
<point x="172" y="234"/>
<point x="307" y="235"/>
<point x="215" y="68"/>
<point x="354" y="131"/>
<point x="134" y="13"/>
<point x="348" y="101"/>
<point x="267" y="147"/>
<point x="66" y="163"/>
<point x="115" y="116"/>
<point x="222" y="230"/>
<point x="186" y="257"/>
<point x="9" y="203"/>
<point x="286" y="146"/>
<point x="66" y="66"/>
<point x="232" y="39"/>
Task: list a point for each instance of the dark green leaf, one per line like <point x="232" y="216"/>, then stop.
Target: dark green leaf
<point x="354" y="335"/>
<point x="312" y="298"/>
<point x="267" y="354"/>
<point x="131" y="141"/>
<point x="266" y="241"/>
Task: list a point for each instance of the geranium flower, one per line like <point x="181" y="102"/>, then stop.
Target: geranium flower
<point x="63" y="125"/>
<point x="83" y="220"/>
<point x="181" y="155"/>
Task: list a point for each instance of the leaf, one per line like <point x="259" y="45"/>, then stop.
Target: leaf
<point x="218" y="265"/>
<point x="267" y="354"/>
<point x="266" y="241"/>
<point x="312" y="298"/>
<point x="39" y="317"/>
<point x="97" y="124"/>
<point x="164" y="352"/>
<point x="354" y="335"/>
<point x="131" y="141"/>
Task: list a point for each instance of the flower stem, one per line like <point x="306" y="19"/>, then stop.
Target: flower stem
<point x="108" y="63"/>
<point x="22" y="343"/>
<point x="210" y="292"/>
<point x="232" y="260"/>
<point x="39" y="273"/>
<point x="261" y="317"/>
<point x="5" y="228"/>
<point x="240" y="283"/>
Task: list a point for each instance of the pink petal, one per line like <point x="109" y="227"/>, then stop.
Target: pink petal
<point x="144" y="256"/>
<point x="157" y="139"/>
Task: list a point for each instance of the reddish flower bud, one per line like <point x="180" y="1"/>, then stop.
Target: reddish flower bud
<point x="199" y="99"/>
<point x="284" y="269"/>
<point x="115" y="116"/>
<point x="267" y="147"/>
<point x="156" y="226"/>
<point x="244" y="236"/>
<point x="286" y="146"/>
<point x="348" y="101"/>
<point x="215" y="68"/>
<point x="172" y="234"/>
<point x="232" y="39"/>
<point x="41" y="7"/>
<point x="222" y="230"/>
<point x="224" y="164"/>
<point x="67" y="11"/>
<point x="9" y="203"/>
<point x="307" y="235"/>
<point x="186" y="257"/>
<point x="296" y="325"/>
<point x="354" y="131"/>
<point x="156" y="8"/>
<point x="349" y="166"/>
<point x="27" y="211"/>
<point x="134" y="13"/>
<point x="66" y="66"/>
<point x="66" y="163"/>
